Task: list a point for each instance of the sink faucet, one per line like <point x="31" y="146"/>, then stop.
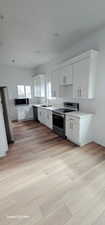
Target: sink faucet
<point x="47" y="103"/>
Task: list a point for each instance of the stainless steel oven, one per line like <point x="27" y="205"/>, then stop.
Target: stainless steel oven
<point x="59" y="117"/>
<point x="59" y="123"/>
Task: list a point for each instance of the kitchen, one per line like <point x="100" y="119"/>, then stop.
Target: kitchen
<point x="77" y="74"/>
<point x="65" y="118"/>
<point x="52" y="112"/>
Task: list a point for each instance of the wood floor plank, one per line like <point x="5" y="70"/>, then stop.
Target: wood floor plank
<point x="47" y="180"/>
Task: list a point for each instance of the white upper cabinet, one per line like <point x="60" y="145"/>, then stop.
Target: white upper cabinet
<point x="84" y="72"/>
<point x="81" y="79"/>
<point x="66" y="75"/>
<point x="79" y="72"/>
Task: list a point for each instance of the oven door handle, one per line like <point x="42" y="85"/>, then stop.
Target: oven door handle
<point x="57" y="114"/>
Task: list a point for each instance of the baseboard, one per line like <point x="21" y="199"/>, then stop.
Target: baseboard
<point x="3" y="154"/>
<point x="99" y="142"/>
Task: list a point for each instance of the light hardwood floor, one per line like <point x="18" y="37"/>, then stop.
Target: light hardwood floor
<point x="46" y="180"/>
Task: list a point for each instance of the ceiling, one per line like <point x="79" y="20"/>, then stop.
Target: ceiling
<point x="33" y="32"/>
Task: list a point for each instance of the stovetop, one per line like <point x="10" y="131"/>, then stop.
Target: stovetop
<point x="68" y="107"/>
<point x="63" y="110"/>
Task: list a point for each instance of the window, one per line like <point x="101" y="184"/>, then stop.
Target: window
<point x="36" y="88"/>
<point x="24" y="91"/>
<point x="28" y="91"/>
<point x="48" y="89"/>
<point x="21" y="91"/>
<point x="39" y="86"/>
<point x="42" y="87"/>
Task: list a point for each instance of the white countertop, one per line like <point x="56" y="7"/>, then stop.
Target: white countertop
<point x="51" y="108"/>
<point x="37" y="105"/>
<point x="79" y="114"/>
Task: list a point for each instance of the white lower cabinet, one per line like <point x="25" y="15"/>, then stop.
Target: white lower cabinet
<point x="3" y="138"/>
<point x="79" y="130"/>
<point x="45" y="117"/>
<point x="48" y="119"/>
<point x="24" y="112"/>
<point x="79" y="127"/>
<point x="40" y="115"/>
<point x="72" y="129"/>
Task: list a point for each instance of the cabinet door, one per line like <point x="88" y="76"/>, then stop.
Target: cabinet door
<point x="69" y="129"/>
<point x="45" y="116"/>
<point x="21" y="113"/>
<point x="76" y="132"/>
<point x="42" y="115"/>
<point x="49" y="119"/>
<point x="29" y="113"/>
<point x="3" y="138"/>
<point x="39" y="114"/>
<point x="66" y="75"/>
<point x="73" y="130"/>
<point x="81" y="71"/>
<point x="55" y="84"/>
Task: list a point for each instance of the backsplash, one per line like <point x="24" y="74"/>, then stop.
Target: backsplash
<point x="86" y="105"/>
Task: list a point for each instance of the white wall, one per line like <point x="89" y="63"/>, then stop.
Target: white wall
<point x="11" y="77"/>
<point x="94" y="41"/>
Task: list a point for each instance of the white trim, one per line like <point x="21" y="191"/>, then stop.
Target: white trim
<point x="78" y="58"/>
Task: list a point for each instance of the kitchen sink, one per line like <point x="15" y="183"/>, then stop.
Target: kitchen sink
<point x="46" y="106"/>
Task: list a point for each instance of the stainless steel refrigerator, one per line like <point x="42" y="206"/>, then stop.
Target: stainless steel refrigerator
<point x="6" y="113"/>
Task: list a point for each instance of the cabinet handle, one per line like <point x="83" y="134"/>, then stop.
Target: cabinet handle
<point x="64" y="79"/>
<point x="54" y="93"/>
<point x="71" y="123"/>
<point x="80" y="92"/>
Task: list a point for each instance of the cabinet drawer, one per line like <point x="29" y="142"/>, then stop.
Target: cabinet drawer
<point x="76" y="121"/>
